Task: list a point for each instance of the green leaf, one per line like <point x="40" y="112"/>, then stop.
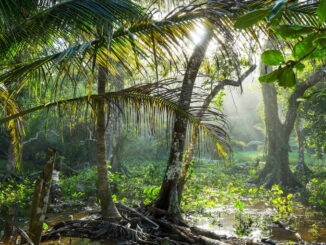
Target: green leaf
<point x="276" y="9"/>
<point x="289" y="196"/>
<point x="276" y="19"/>
<point x="45" y="226"/>
<point x="303" y="47"/>
<point x="272" y="57"/>
<point x="320" y="42"/>
<point x="251" y="18"/>
<point x="287" y="77"/>
<point x="321" y="11"/>
<point x="289" y="32"/>
<point x="318" y="54"/>
<point x="299" y="66"/>
<point x="270" y="77"/>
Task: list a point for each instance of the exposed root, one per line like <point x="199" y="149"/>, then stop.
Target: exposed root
<point x="137" y="228"/>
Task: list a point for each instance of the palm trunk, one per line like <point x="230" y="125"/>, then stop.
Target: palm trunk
<point x="9" y="212"/>
<point x="108" y="208"/>
<point x="168" y="197"/>
<point x="186" y="165"/>
<point x="189" y="153"/>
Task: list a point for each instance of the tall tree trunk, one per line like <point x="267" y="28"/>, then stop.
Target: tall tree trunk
<point x="301" y="165"/>
<point x="189" y="153"/>
<point x="277" y="170"/>
<point x="9" y="216"/>
<point x="117" y="153"/>
<point x="108" y="208"/>
<point x="168" y="197"/>
<point x="9" y="212"/>
<point x="41" y="199"/>
<point x="117" y="139"/>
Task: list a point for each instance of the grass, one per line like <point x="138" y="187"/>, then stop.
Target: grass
<point x="252" y="156"/>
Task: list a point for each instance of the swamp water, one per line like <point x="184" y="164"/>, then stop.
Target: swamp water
<point x="307" y="224"/>
<point x="256" y="222"/>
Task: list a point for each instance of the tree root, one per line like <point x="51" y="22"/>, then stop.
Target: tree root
<point x="137" y="228"/>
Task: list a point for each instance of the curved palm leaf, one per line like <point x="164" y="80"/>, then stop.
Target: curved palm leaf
<point x="137" y="38"/>
<point x="14" y="127"/>
<point x="152" y="100"/>
<point x="68" y="17"/>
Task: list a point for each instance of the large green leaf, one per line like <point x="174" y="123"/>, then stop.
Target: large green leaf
<point x="320" y="42"/>
<point x="299" y="66"/>
<point x="270" y="77"/>
<point x="272" y="57"/>
<point x="286" y="77"/>
<point x="289" y="32"/>
<point x="321" y="11"/>
<point x="251" y="18"/>
<point x="304" y="47"/>
<point x="318" y="54"/>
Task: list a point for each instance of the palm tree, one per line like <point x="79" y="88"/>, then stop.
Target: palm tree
<point x="124" y="38"/>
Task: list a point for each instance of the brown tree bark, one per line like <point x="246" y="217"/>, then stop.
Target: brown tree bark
<point x="301" y="165"/>
<point x="117" y="152"/>
<point x="108" y="208"/>
<point x="168" y="197"/>
<point x="41" y="199"/>
<point x="189" y="153"/>
<point x="277" y="169"/>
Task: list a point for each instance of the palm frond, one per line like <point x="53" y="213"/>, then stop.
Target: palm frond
<point x="10" y="107"/>
<point x="133" y="42"/>
<point x="141" y="105"/>
<point x="68" y="17"/>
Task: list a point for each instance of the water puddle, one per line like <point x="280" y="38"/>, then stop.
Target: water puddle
<point x="307" y="224"/>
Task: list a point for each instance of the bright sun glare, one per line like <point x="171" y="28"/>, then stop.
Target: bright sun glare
<point x="197" y="34"/>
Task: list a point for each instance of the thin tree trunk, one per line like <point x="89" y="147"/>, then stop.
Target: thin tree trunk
<point x="9" y="212"/>
<point x="41" y="199"/>
<point x="168" y="197"/>
<point x="189" y="153"/>
<point x="117" y="152"/>
<point x="108" y="208"/>
<point x="9" y="216"/>
<point x="301" y="165"/>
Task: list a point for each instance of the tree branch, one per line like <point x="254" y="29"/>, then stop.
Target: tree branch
<point x="318" y="76"/>
<point x="221" y="84"/>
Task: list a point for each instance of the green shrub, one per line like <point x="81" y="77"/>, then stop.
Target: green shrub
<point x="80" y="185"/>
<point x="14" y="192"/>
<point x="317" y="188"/>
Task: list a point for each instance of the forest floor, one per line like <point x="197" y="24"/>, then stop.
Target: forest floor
<point x="220" y="201"/>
